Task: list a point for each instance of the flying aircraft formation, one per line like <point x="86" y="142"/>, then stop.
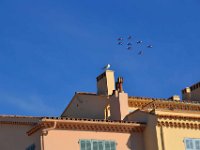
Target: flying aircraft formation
<point x="131" y="44"/>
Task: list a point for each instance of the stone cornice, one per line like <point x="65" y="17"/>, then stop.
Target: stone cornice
<point x="101" y="126"/>
<point x="179" y="125"/>
<point x="179" y="117"/>
<point x="178" y="121"/>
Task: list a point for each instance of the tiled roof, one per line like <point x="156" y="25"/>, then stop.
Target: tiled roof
<point x="159" y="103"/>
<point x="18" y="116"/>
<point x="90" y="93"/>
<point x="163" y="99"/>
<point x="16" y="123"/>
<point x="143" y="98"/>
<point x="18" y="120"/>
<point x="142" y="103"/>
<point x="86" y="93"/>
<point x="146" y="98"/>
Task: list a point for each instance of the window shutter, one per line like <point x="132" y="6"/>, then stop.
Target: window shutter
<point x="197" y="144"/>
<point x="189" y="144"/>
<point x="107" y="145"/>
<point x="192" y="144"/>
<point x="82" y="144"/>
<point x="100" y="145"/>
<point x="88" y="145"/>
<point x="95" y="145"/>
<point x="112" y="145"/>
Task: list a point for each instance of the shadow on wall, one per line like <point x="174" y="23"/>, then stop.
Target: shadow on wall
<point x="162" y="138"/>
<point x="135" y="141"/>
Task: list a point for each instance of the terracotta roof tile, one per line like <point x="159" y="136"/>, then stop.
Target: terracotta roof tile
<point x="18" y="116"/>
<point x="91" y="120"/>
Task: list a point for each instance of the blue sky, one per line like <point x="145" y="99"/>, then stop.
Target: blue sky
<point x="50" y="49"/>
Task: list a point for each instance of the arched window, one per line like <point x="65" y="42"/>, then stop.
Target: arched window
<point x="107" y="112"/>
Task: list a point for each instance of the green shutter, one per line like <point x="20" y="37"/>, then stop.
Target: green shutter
<point x="107" y="145"/>
<point x="88" y="145"/>
<point x="82" y="144"/>
<point x="85" y="145"/>
<point x="192" y="144"/>
<point x="95" y="145"/>
<point x="197" y="144"/>
<point x="112" y="145"/>
<point x="100" y="145"/>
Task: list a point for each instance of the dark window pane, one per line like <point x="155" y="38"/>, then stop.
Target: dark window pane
<point x="100" y="144"/>
<point x="95" y="145"/>
<point x="112" y="146"/>
<point x="83" y="145"/>
<point x="197" y="144"/>
<point x="107" y="145"/>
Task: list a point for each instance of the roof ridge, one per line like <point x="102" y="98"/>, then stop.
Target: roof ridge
<point x="149" y="98"/>
<point x="19" y="116"/>
<point x="86" y="93"/>
<point x="166" y="100"/>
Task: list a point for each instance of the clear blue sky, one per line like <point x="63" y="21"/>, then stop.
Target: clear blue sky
<point x="50" y="49"/>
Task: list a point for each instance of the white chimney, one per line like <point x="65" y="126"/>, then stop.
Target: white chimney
<point x="106" y="83"/>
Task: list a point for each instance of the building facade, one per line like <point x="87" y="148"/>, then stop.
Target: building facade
<point x="110" y="119"/>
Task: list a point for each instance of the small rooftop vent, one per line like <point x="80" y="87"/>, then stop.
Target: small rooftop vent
<point x="175" y="98"/>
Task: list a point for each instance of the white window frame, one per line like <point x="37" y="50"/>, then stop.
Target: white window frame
<point x="190" y="143"/>
<point x="95" y="140"/>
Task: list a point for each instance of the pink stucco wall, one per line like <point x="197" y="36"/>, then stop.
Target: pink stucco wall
<point x="65" y="139"/>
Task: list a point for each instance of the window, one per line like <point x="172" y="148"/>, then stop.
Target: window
<point x="107" y="112"/>
<point x="192" y="144"/>
<point x="31" y="147"/>
<point x="97" y="145"/>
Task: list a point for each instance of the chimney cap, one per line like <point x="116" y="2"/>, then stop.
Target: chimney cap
<point x="119" y="84"/>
